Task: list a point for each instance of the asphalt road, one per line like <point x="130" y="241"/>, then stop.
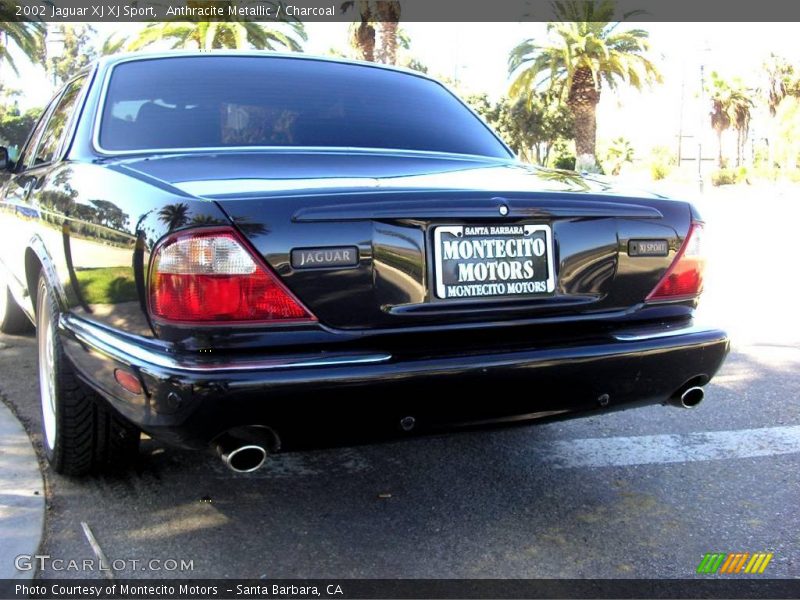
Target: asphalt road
<point x="642" y="493"/>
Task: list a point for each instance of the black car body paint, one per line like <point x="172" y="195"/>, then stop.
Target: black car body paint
<point x="384" y="344"/>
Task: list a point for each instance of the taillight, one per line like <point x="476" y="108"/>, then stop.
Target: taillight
<point x="684" y="278"/>
<point x="209" y="276"/>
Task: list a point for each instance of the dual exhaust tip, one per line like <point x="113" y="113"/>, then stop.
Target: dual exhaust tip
<point x="245" y="449"/>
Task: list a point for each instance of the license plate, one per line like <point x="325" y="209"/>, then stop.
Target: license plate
<point x="478" y="261"/>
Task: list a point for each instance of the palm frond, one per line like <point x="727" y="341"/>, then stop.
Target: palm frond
<point x="288" y="33"/>
<point x="585" y="38"/>
<point x="26" y="35"/>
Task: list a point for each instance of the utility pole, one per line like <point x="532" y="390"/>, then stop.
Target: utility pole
<point x="680" y="119"/>
<point x="703" y="114"/>
<point x="700" y="128"/>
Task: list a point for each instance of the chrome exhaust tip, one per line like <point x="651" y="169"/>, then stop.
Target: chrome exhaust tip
<point x="245" y="459"/>
<point x="688" y="398"/>
<point x="692" y="397"/>
<point x="245" y="449"/>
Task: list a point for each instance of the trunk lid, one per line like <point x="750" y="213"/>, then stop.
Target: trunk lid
<point x="354" y="234"/>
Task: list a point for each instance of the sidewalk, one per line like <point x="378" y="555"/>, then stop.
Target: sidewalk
<point x="22" y="502"/>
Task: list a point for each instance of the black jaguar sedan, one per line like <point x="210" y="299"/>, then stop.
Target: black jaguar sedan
<point x="218" y="249"/>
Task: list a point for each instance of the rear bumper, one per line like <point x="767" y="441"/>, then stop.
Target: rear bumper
<point x="188" y="401"/>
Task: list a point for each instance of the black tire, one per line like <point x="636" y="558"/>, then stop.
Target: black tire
<point x="12" y="319"/>
<point x="80" y="433"/>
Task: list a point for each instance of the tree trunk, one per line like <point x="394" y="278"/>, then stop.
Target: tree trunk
<point x="364" y="41"/>
<point x="389" y="16"/>
<point x="770" y="153"/>
<point x="362" y="38"/>
<point x="582" y="101"/>
<point x="738" y="148"/>
<point x="741" y="142"/>
<point x="387" y="54"/>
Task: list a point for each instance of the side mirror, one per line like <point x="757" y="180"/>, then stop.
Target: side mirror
<point x="6" y="164"/>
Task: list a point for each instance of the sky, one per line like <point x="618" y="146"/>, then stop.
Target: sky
<point x="476" y="54"/>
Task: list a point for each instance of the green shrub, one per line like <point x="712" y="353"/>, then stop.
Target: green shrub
<point x="565" y="162"/>
<point x="723" y="177"/>
<point x="766" y="172"/>
<point x="741" y="175"/>
<point x="659" y="170"/>
<point x="661" y="162"/>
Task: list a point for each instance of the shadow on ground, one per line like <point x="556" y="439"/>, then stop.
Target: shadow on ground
<point x="473" y="504"/>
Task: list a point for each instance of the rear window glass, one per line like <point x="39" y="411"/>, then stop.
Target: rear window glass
<point x="209" y="102"/>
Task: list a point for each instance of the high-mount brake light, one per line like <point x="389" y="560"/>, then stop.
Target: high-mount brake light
<point x="684" y="278"/>
<point x="209" y="276"/>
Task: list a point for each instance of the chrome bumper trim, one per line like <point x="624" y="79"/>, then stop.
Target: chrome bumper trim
<point x="126" y="351"/>
<point x="642" y="335"/>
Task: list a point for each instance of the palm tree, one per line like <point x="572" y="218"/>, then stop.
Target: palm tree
<point x="720" y="120"/>
<point x="112" y="44"/>
<point x="739" y="110"/>
<point x="174" y="215"/>
<point x="362" y="33"/>
<point x="781" y="81"/>
<point x="730" y="107"/>
<point x="585" y="50"/>
<point x="389" y="15"/>
<point x="619" y="152"/>
<point x="235" y="34"/>
<point x="386" y="15"/>
<point x="28" y="36"/>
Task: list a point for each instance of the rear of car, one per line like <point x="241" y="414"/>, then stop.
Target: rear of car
<point x="350" y="245"/>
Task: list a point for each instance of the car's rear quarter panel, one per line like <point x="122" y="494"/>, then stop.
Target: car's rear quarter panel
<point x="88" y="219"/>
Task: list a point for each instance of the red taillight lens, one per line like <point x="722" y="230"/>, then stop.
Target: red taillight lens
<point x="684" y="278"/>
<point x="209" y="276"/>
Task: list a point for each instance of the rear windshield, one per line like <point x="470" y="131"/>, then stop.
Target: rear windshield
<point x="213" y="101"/>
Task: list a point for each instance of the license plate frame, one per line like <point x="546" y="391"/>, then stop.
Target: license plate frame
<point x="492" y="239"/>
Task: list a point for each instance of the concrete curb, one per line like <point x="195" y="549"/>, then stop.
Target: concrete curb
<point x="22" y="501"/>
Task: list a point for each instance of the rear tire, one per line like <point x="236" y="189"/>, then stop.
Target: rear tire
<point x="80" y="432"/>
<point x="12" y="319"/>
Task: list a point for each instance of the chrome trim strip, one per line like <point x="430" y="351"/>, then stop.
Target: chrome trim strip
<point x="72" y="123"/>
<point x="519" y="208"/>
<point x="77" y="111"/>
<point x="643" y="335"/>
<point x="116" y="347"/>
